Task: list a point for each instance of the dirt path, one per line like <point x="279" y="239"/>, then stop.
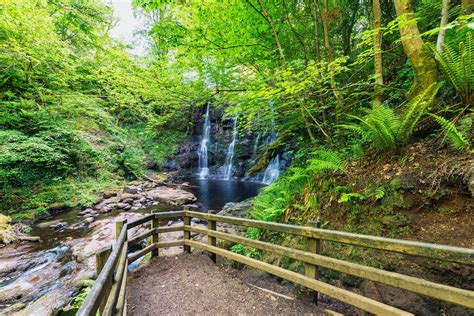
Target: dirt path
<point x="194" y="285"/>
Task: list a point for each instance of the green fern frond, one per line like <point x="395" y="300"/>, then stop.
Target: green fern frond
<point x="414" y="110"/>
<point x="383" y="124"/>
<point x="457" y="139"/>
<point x="353" y="127"/>
<point x="457" y="64"/>
<point x="325" y="160"/>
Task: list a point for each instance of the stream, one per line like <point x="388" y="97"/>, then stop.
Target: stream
<point x="29" y="272"/>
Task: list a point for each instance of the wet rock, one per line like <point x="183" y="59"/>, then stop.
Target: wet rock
<point x="198" y="221"/>
<point x="87" y="211"/>
<point x="240" y="209"/>
<point x="131" y="189"/>
<point x="89" y="219"/>
<point x="105" y="209"/>
<point x="58" y="225"/>
<point x="48" y="223"/>
<point x="124" y="197"/>
<point x="172" y="196"/>
<point x="122" y="205"/>
<point x="106" y="202"/>
<point x="32" y="275"/>
<point x="102" y="235"/>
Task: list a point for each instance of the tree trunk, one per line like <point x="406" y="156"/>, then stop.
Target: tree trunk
<point x="423" y="64"/>
<point x="378" y="52"/>
<point x="272" y="26"/>
<point x="327" y="46"/>
<point x="442" y="31"/>
<point x="316" y="30"/>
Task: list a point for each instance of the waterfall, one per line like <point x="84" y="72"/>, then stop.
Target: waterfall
<point x="255" y="147"/>
<point x="272" y="171"/>
<point x="202" y="152"/>
<point x="230" y="153"/>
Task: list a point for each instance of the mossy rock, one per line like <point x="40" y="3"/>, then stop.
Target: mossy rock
<point x="7" y="235"/>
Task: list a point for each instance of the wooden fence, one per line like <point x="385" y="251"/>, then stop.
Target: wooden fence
<point x="108" y="293"/>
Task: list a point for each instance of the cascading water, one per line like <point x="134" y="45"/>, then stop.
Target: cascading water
<point x="202" y="152"/>
<point x="230" y="153"/>
<point x="272" y="172"/>
<point x="255" y="147"/>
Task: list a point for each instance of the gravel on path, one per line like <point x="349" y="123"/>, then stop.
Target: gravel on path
<point x="191" y="284"/>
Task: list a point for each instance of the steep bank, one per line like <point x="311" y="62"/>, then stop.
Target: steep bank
<point x="424" y="192"/>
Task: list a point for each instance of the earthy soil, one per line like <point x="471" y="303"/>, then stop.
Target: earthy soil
<point x="194" y="285"/>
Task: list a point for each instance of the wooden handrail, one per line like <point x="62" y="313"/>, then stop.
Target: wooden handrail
<point x="352" y="298"/>
<point x="150" y="232"/>
<point x="416" y="285"/>
<point x="116" y="265"/>
<point x="92" y="302"/>
<point x="422" y="249"/>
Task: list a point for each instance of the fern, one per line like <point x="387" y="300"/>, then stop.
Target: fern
<point x="325" y="160"/>
<point x="457" y="64"/>
<point x="457" y="139"/>
<point x="385" y="129"/>
<point x="380" y="126"/>
<point x="415" y="109"/>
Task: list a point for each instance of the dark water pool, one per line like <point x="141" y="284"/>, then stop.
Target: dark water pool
<point x="213" y="194"/>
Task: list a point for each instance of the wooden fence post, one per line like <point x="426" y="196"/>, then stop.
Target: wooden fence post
<point x="101" y="258"/>
<point x="313" y="246"/>
<point x="187" y="234"/>
<point x="211" y="225"/>
<point x="118" y="228"/>
<point x="155" y="223"/>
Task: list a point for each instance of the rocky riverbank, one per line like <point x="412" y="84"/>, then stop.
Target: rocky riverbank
<point x="40" y="278"/>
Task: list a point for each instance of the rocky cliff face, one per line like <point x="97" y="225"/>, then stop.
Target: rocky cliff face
<point x="246" y="151"/>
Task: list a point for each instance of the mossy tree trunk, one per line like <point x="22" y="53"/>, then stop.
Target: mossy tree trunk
<point x="423" y="64"/>
<point x="378" y="52"/>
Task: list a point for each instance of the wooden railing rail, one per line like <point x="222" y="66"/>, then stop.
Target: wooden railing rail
<point x="109" y="278"/>
<point x="422" y="249"/>
<point x="108" y="293"/>
<point x="416" y="285"/>
<point x="314" y="260"/>
<point x="107" y="296"/>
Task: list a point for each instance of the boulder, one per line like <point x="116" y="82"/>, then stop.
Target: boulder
<point x="131" y="189"/>
<point x="126" y="197"/>
<point x="109" y="193"/>
<point x="58" y="225"/>
<point x="87" y="211"/>
<point x="240" y="209"/>
<point x="172" y="196"/>
<point x="122" y="205"/>
<point x="105" y="202"/>
<point x="102" y="235"/>
<point x="89" y="219"/>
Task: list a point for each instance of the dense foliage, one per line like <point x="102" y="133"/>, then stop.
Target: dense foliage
<point x="350" y="77"/>
<point x="79" y="112"/>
